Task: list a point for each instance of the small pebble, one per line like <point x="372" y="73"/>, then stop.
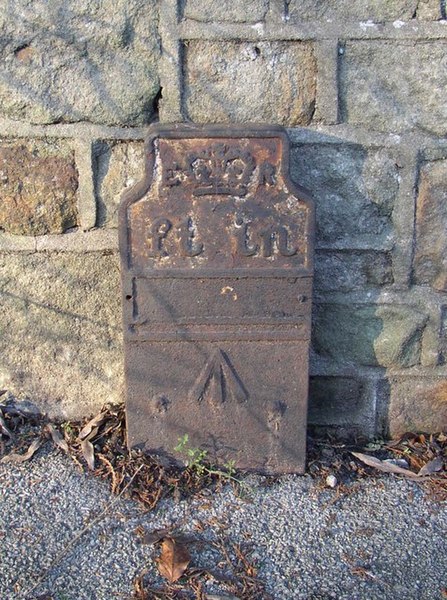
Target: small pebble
<point x="331" y="481"/>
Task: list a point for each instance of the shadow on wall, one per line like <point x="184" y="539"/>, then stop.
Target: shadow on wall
<point x="358" y="334"/>
<point x="61" y="330"/>
<point x="70" y="61"/>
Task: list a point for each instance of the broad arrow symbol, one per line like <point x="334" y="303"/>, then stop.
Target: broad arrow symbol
<point x="218" y="382"/>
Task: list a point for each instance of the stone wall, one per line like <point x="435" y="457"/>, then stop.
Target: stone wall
<point x="359" y="84"/>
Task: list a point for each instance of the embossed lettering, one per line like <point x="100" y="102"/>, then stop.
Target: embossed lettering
<point x="159" y="230"/>
<point x="173" y="176"/>
<point x="267" y="174"/>
<point x="187" y="235"/>
<point x="270" y="238"/>
<point x="242" y="239"/>
<point x="283" y="243"/>
<point x="281" y="237"/>
<point x="267" y="242"/>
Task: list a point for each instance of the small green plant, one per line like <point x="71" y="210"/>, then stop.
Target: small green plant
<point x="196" y="461"/>
<point x="195" y="456"/>
<point x="68" y="429"/>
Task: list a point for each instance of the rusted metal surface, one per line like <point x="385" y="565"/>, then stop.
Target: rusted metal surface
<point x="216" y="250"/>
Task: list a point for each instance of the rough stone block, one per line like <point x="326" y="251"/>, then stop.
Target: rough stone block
<point x="79" y="60"/>
<point x="345" y="271"/>
<point x="271" y="82"/>
<point x="417" y="405"/>
<point x="119" y="165"/>
<point x="60" y="331"/>
<point x="354" y="188"/>
<point x="394" y="86"/>
<point x="386" y="336"/>
<point x="430" y="257"/>
<point x="233" y="11"/>
<point x="429" y="10"/>
<point x="340" y="402"/>
<point x="346" y="10"/>
<point x="38" y="187"/>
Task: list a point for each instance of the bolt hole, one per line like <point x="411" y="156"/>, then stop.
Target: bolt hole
<point x="257" y="51"/>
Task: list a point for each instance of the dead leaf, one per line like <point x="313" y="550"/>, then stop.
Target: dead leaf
<point x="432" y="466"/>
<point x="95" y="422"/>
<point x="20" y="458"/>
<point x="138" y="584"/>
<point x="57" y="438"/>
<point x="152" y="537"/>
<point x="381" y="465"/>
<point x="89" y="453"/>
<point x="174" y="559"/>
<point x="93" y="433"/>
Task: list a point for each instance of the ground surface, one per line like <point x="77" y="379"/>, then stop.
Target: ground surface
<point x="382" y="538"/>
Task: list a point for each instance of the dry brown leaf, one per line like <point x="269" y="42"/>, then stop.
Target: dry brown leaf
<point x="20" y="458"/>
<point x="432" y="466"/>
<point x="89" y="453"/>
<point x="381" y="465"/>
<point x="57" y="438"/>
<point x="174" y="559"/>
<point x="95" y="422"/>
<point x="152" y="537"/>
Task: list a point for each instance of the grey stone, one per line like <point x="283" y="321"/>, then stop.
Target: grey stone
<point x="386" y="336"/>
<point x="345" y="271"/>
<point x="340" y="402"/>
<point x="417" y="405"/>
<point x="249" y="11"/>
<point x="429" y="10"/>
<point x="346" y="10"/>
<point x="60" y="330"/>
<point x="119" y="165"/>
<point x="271" y="82"/>
<point x="38" y="187"/>
<point x="354" y="189"/>
<point x="78" y="60"/>
<point x="430" y="257"/>
<point x="394" y="86"/>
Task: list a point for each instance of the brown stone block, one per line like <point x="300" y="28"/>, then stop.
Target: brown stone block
<point x="346" y="10"/>
<point x="394" y="86"/>
<point x="430" y="258"/>
<point x="79" y="61"/>
<point x="417" y="405"/>
<point x="38" y="187"/>
<point x="382" y="335"/>
<point x="249" y="11"/>
<point x="270" y="82"/>
<point x="118" y="166"/>
<point x="60" y="330"/>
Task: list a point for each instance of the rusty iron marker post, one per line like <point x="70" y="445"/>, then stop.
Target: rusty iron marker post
<point x="216" y="249"/>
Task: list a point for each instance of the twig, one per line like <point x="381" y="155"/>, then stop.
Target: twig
<point x="80" y="534"/>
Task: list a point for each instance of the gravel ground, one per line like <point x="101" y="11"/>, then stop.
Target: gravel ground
<point x="383" y="539"/>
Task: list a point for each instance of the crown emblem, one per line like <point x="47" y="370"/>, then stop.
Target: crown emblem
<point x="222" y="170"/>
